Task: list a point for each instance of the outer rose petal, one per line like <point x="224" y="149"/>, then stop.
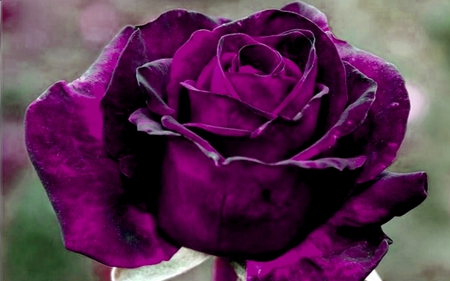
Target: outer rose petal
<point x="351" y="243"/>
<point x="152" y="41"/>
<point x="386" y="124"/>
<point x="309" y="12"/>
<point x="362" y="95"/>
<point x="64" y="136"/>
<point x="152" y="78"/>
<point x="253" y="197"/>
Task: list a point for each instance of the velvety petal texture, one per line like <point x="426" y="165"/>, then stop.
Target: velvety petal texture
<point x="83" y="183"/>
<point x="310" y="12"/>
<point x="264" y="141"/>
<point x="191" y="58"/>
<point x="223" y="209"/>
<point x="385" y="127"/>
<point x="153" y="41"/>
<point x="350" y="244"/>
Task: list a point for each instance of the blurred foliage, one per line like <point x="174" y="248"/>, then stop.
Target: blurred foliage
<point x="34" y="248"/>
<point x="51" y="40"/>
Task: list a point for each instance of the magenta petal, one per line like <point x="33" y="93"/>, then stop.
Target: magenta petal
<point x="222" y="111"/>
<point x="124" y="95"/>
<point x="363" y="90"/>
<point x="304" y="89"/>
<point x="293" y="134"/>
<point x="295" y="45"/>
<point x="96" y="79"/>
<point x="256" y="80"/>
<point x="193" y="56"/>
<point x="378" y="201"/>
<point x="166" y="34"/>
<point x="248" y="52"/>
<point x="262" y="92"/>
<point x="209" y="151"/>
<point x="83" y="183"/>
<point x="386" y="122"/>
<point x="331" y="70"/>
<point x="223" y="271"/>
<point x="310" y="12"/>
<point x="212" y="79"/>
<point x="236" y="45"/>
<point x="259" y="59"/>
<point x="152" y="78"/>
<point x="144" y="123"/>
<point x="224" y="209"/>
<point x="221" y="20"/>
<point x="219" y="131"/>
<point x="189" y="61"/>
<point x="352" y="234"/>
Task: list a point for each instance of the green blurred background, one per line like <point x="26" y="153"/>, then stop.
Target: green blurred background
<point x="46" y="41"/>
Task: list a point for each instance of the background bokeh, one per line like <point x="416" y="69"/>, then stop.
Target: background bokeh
<point x="49" y="40"/>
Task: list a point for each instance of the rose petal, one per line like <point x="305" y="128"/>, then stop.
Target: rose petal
<point x="124" y="96"/>
<point x="223" y="271"/>
<point x="189" y="61"/>
<point x="192" y="57"/>
<point x="215" y="230"/>
<point x="388" y="128"/>
<point x="209" y="151"/>
<point x="97" y="78"/>
<point x="152" y="78"/>
<point x="83" y="183"/>
<point x="310" y="12"/>
<point x="304" y="89"/>
<point x="166" y="34"/>
<point x="221" y="20"/>
<point x="293" y="134"/>
<point x="386" y="123"/>
<point x="294" y="45"/>
<point x="331" y="71"/>
<point x="378" y="201"/>
<point x="339" y="164"/>
<point x="253" y="197"/>
<point x="219" y="131"/>
<point x="351" y="244"/>
<point x="363" y="90"/>
<point x="259" y="59"/>
<point x="141" y="118"/>
<point x="262" y="92"/>
<point x="211" y="79"/>
<point x="221" y="110"/>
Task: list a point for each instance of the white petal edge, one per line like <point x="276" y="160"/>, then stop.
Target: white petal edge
<point x="186" y="264"/>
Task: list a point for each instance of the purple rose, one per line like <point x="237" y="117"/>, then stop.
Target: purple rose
<point x="264" y="139"/>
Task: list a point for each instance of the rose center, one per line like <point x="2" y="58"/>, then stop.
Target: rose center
<point x="258" y="59"/>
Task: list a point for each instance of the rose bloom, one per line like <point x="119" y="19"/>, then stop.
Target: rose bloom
<point x="263" y="140"/>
